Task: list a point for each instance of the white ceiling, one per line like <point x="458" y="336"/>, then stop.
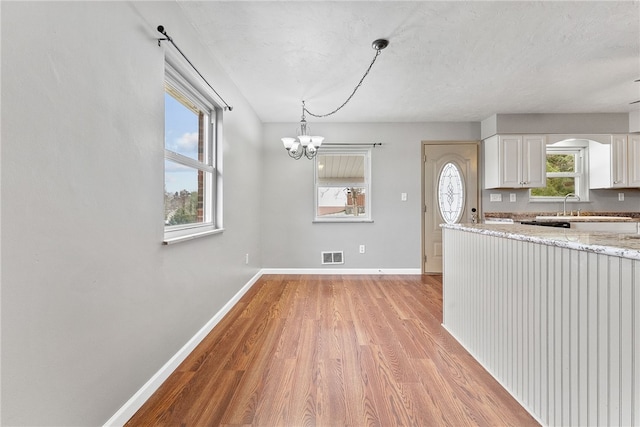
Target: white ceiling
<point x="446" y="61"/>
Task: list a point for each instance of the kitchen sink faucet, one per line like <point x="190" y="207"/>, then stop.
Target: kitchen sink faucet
<point x="564" y="207"/>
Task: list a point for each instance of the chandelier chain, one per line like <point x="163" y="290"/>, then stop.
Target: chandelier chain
<point x="378" y="51"/>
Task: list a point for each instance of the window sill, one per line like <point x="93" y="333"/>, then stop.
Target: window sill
<point x="191" y="236"/>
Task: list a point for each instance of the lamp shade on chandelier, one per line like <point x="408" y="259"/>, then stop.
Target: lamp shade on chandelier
<point x="304" y="145"/>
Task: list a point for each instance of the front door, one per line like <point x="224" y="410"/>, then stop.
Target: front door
<point x="450" y="194"/>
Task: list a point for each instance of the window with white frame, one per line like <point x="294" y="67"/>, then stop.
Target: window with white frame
<point x="342" y="185"/>
<point x="191" y="159"/>
<point x="566" y="173"/>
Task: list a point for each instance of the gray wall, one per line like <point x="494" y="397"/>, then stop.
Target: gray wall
<point x="92" y="304"/>
<point x="634" y="122"/>
<point x="291" y="240"/>
<point x="584" y="123"/>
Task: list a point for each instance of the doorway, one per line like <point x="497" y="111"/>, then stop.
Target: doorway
<point x="450" y="194"/>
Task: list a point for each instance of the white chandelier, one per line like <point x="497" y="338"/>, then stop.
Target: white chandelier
<point x="306" y="145"/>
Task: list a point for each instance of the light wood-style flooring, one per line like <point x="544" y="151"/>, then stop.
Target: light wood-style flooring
<point x="324" y="350"/>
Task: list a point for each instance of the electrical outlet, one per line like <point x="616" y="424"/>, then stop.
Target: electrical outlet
<point x="403" y="197"/>
<point x="361" y="249"/>
<point x="246" y="259"/>
<point x="512" y="197"/>
<point x="621" y="197"/>
<point x="495" y="197"/>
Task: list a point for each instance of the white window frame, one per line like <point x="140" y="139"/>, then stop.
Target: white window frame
<point x="367" y="216"/>
<point x="180" y="77"/>
<point x="581" y="151"/>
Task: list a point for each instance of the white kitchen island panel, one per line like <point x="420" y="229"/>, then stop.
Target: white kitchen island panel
<point x="557" y="325"/>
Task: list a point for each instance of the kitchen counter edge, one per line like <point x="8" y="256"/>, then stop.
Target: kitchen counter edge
<point x="623" y="245"/>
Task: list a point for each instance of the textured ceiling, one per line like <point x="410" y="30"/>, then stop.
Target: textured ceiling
<point x="446" y="61"/>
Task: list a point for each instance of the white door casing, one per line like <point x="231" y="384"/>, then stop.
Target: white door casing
<point x="464" y="156"/>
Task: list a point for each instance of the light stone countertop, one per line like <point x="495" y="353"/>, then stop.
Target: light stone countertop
<point x="584" y="216"/>
<point x="585" y="219"/>
<point x="624" y="245"/>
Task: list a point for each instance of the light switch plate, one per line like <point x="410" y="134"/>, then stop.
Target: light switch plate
<point x="495" y="197"/>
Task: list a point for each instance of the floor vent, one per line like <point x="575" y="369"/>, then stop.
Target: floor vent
<point x="333" y="257"/>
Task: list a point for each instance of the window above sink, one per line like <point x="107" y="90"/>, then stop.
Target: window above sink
<point x="566" y="172"/>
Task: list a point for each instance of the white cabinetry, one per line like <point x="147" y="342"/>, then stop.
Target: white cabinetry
<point x="515" y="161"/>
<point x="615" y="164"/>
<point x="633" y="165"/>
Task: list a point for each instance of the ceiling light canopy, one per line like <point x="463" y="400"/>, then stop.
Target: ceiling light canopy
<point x="306" y="145"/>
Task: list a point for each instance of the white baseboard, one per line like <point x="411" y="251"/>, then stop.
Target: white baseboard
<point x="140" y="397"/>
<point x="341" y="271"/>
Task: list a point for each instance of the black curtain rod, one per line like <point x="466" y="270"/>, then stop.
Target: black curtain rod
<point x="169" y="39"/>
<point x="346" y="144"/>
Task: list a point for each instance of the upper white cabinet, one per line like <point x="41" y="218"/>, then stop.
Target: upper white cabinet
<point x="615" y="164"/>
<point x="515" y="161"/>
<point x="633" y="165"/>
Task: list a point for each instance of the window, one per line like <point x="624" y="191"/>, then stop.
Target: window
<point x="191" y="160"/>
<point x="451" y="193"/>
<point x="565" y="173"/>
<point x="342" y="186"/>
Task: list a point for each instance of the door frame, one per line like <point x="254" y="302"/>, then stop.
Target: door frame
<point x="423" y="204"/>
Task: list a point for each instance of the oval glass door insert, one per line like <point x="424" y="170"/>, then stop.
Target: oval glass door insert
<point x="451" y="193"/>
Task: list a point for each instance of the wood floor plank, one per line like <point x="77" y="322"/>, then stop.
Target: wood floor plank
<point x="250" y="389"/>
<point x="449" y="410"/>
<point x="377" y="386"/>
<point x="400" y="409"/>
<point x="160" y="406"/>
<point x="303" y="400"/>
<point x="331" y="396"/>
<point x="329" y="350"/>
<point x="359" y="402"/>
<point x="273" y="408"/>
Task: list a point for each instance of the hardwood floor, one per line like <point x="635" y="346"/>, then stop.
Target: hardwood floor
<point x="333" y="350"/>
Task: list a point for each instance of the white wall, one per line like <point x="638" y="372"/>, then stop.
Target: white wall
<point x="291" y="240"/>
<point x="92" y="304"/>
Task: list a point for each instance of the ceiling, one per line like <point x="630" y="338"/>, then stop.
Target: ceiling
<point x="446" y="61"/>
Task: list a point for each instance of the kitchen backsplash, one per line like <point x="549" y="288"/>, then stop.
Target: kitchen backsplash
<point x="600" y="201"/>
<point x="532" y="215"/>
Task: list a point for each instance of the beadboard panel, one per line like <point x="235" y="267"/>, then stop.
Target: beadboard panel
<point x="558" y="327"/>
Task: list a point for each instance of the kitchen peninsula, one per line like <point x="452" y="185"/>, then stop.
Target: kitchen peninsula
<point x="553" y="314"/>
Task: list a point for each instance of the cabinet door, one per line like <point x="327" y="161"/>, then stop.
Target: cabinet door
<point x="511" y="161"/>
<point x="619" y="161"/>
<point x="633" y="161"/>
<point x="534" y="161"/>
